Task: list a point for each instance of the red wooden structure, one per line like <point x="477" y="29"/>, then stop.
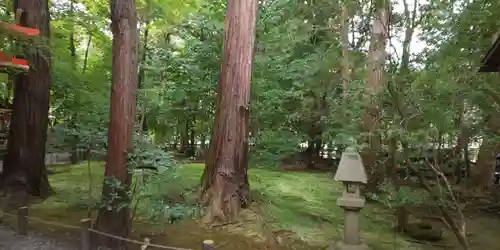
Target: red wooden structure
<point x="19" y="31"/>
<point x="12" y="62"/>
<point x="8" y="62"/>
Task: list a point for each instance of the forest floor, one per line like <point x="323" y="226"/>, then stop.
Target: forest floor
<point x="292" y="210"/>
<point x="9" y="240"/>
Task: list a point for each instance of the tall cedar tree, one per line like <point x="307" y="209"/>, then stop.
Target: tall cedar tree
<point x="225" y="180"/>
<point x="24" y="169"/>
<point x="373" y="87"/>
<point x="115" y="218"/>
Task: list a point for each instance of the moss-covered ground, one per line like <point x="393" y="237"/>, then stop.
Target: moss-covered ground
<point x="293" y="210"/>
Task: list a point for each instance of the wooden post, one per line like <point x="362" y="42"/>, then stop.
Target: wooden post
<point x="495" y="37"/>
<point x="22" y="220"/>
<point x="19" y="14"/>
<point x="85" y="234"/>
<point x="208" y="245"/>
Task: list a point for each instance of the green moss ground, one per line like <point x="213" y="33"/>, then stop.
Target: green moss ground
<point x="290" y="207"/>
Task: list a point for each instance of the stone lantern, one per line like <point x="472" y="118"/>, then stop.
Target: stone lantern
<point x="352" y="173"/>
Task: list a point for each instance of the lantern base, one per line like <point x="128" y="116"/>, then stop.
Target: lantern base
<point x="341" y="245"/>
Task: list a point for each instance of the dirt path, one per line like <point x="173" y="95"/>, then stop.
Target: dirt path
<point x="9" y="240"/>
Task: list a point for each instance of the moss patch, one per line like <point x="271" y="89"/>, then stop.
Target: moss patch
<point x="294" y="208"/>
<point x="302" y="205"/>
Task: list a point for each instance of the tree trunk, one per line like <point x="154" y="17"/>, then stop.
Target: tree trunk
<point x="467" y="161"/>
<point x="373" y="86"/>
<point x="318" y="148"/>
<point x="460" y="148"/>
<point x="225" y="181"/>
<point x="192" y="138"/>
<point x="73" y="118"/>
<point x="203" y="143"/>
<point x="144" y="52"/>
<point x="402" y="213"/>
<point x="482" y="172"/>
<point x="114" y="217"/>
<point x="24" y="164"/>
<point x="184" y="137"/>
<point x="309" y="155"/>
<point x="345" y="70"/>
<point x="344" y="35"/>
<point x="143" y="128"/>
<point x="86" y="58"/>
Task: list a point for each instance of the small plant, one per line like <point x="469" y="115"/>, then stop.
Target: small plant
<point x="393" y="196"/>
<point x="150" y="188"/>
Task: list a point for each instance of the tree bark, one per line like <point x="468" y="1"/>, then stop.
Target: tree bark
<point x="114" y="218"/>
<point x="24" y="167"/>
<point x="344" y="41"/>
<point x="225" y="184"/>
<point x="373" y="86"/>
<point x="402" y="213"/>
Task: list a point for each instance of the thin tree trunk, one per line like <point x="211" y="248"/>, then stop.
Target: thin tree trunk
<point x="114" y="218"/>
<point x="141" y="75"/>
<point x="144" y="52"/>
<point x="192" y="138"/>
<point x="72" y="48"/>
<point x="10" y="89"/>
<point x="10" y="80"/>
<point x="203" y="144"/>
<point x="225" y="181"/>
<point x="402" y="213"/>
<point x="142" y="121"/>
<point x="24" y="167"/>
<point x="467" y="161"/>
<point x="345" y="70"/>
<point x="73" y="118"/>
<point x="318" y="148"/>
<point x="309" y="154"/>
<point x="184" y="137"/>
<point x="346" y="67"/>
<point x="462" y="142"/>
<point x="373" y="87"/>
<point x="86" y="58"/>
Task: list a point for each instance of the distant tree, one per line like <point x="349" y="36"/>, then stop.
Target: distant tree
<point x="225" y="181"/>
<point x="374" y="85"/>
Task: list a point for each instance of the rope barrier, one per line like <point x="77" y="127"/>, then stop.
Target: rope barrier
<point x="51" y="223"/>
<point x="136" y="241"/>
<point x="7" y="214"/>
<point x="143" y="243"/>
